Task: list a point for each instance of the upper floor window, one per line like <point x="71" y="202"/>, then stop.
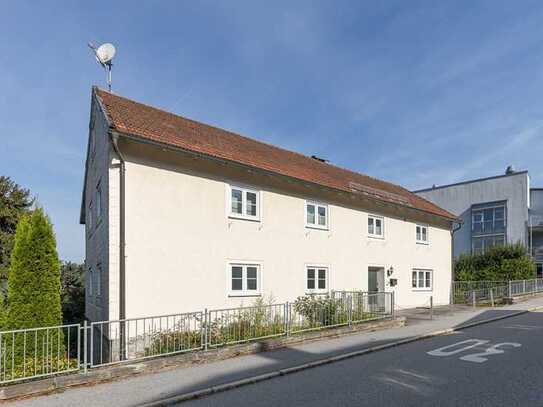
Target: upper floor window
<point x="488" y="220"/>
<point x="92" y="143"/>
<point x="316" y="215"/>
<point x="98" y="203"/>
<point x="90" y="216"/>
<point x="244" y="279"/>
<point x="422" y="279"/>
<point x="422" y="234"/>
<point x="316" y="279"/>
<point x="376" y="226"/>
<point x="90" y="283"/>
<point x="244" y="203"/>
<point x="488" y="226"/>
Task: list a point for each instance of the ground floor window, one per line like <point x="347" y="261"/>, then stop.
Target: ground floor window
<point x="481" y="243"/>
<point x="539" y="270"/>
<point x="422" y="279"/>
<point x="316" y="278"/>
<point x="244" y="279"/>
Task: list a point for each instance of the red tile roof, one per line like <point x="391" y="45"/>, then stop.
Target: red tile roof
<point x="128" y="116"/>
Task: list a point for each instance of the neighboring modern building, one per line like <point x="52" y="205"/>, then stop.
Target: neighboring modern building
<point x="494" y="210"/>
<point x="180" y="216"/>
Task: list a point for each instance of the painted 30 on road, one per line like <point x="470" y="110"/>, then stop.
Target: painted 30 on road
<point x="468" y="344"/>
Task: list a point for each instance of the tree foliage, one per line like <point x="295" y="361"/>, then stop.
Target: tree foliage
<point x="72" y="280"/>
<point x="34" y="275"/>
<point x="14" y="203"/>
<point x="499" y="263"/>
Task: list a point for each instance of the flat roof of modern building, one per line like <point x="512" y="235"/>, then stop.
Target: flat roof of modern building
<point x="472" y="181"/>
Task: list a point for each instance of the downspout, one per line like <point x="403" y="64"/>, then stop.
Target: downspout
<point x="453" y="231"/>
<point x="122" y="243"/>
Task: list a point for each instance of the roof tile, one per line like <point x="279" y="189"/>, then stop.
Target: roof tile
<point x="144" y="121"/>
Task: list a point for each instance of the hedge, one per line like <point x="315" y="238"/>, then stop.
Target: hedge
<point x="499" y="263"/>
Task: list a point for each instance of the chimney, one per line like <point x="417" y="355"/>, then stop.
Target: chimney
<point x="322" y="160"/>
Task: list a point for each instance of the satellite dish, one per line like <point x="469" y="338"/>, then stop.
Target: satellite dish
<point x="104" y="55"/>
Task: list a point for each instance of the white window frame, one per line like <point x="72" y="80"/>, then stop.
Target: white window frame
<point x="317" y="267"/>
<point x="423" y="288"/>
<point x="374" y="235"/>
<point x="244" y="292"/>
<point x="316" y="225"/>
<point x="243" y="214"/>
<point x="421" y="241"/>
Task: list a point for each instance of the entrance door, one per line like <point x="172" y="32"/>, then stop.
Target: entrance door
<point x="376" y="279"/>
<point x="376" y="283"/>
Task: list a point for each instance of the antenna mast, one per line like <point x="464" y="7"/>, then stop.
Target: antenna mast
<point x="104" y="55"/>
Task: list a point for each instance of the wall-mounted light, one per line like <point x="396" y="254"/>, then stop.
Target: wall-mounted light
<point x="390" y="271"/>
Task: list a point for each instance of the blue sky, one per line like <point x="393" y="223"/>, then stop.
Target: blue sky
<point x="413" y="92"/>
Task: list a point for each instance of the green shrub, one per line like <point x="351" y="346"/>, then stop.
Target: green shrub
<point x="260" y="320"/>
<point x="33" y="283"/>
<point x="320" y="311"/>
<point x="499" y="263"/>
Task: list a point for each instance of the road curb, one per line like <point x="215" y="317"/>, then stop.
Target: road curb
<point x="320" y="362"/>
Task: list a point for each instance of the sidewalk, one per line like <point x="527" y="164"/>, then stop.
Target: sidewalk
<point x="157" y="386"/>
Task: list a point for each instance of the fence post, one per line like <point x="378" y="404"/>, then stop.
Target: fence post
<point x="350" y="311"/>
<point x="510" y="292"/>
<point x="287" y="319"/>
<point x="535" y="283"/>
<point x="492" y="297"/>
<point x="523" y="286"/>
<point x="206" y="329"/>
<point x="431" y="307"/>
<point x="392" y="305"/>
<point x="473" y="299"/>
<point x="85" y="346"/>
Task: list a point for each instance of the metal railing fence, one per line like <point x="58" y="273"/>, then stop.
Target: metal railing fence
<point x="477" y="292"/>
<point x="140" y="338"/>
<point x="235" y="325"/>
<point x="37" y="352"/>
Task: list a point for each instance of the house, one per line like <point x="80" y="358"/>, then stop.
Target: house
<point x="495" y="210"/>
<point x="180" y="215"/>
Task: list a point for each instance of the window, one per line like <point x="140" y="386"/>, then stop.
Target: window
<point x="92" y="142"/>
<point x="316" y="279"/>
<point x="98" y="203"/>
<point x="539" y="270"/>
<point x="89" y="284"/>
<point x="482" y="243"/>
<point x="376" y="226"/>
<point x="422" y="234"/>
<point x="316" y="215"/>
<point x="89" y="215"/>
<point x="98" y="280"/>
<point x="244" y="203"/>
<point x="244" y="279"/>
<point x="422" y="279"/>
<point x="488" y="226"/>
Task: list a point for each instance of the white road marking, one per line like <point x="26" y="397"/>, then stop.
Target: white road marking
<point x="470" y="344"/>
<point x="523" y="327"/>
<point x="493" y="350"/>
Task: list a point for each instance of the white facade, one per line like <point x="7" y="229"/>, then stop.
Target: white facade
<point x="182" y="238"/>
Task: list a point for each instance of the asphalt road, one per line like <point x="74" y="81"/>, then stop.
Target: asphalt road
<point x="496" y="364"/>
